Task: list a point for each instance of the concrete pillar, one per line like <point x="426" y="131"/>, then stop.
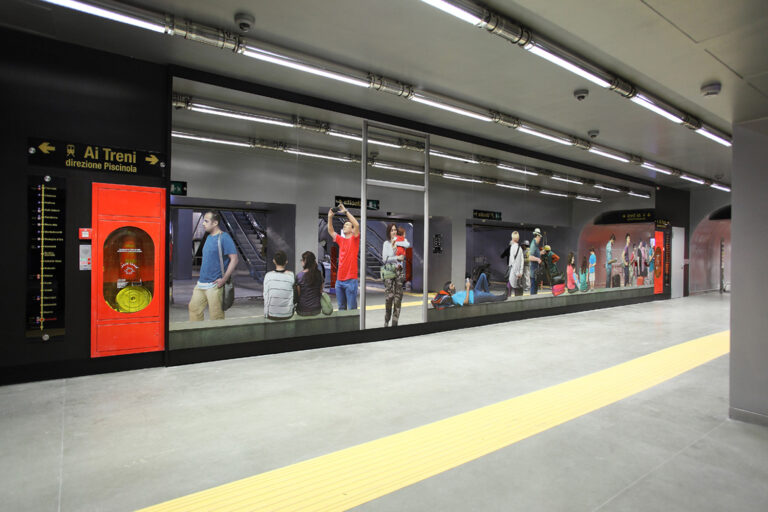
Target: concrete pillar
<point x="749" y="302"/>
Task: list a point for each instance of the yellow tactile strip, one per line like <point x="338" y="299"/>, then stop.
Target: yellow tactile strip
<point x="351" y="477"/>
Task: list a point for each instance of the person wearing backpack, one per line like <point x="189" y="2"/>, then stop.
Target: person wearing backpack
<point x="516" y="264"/>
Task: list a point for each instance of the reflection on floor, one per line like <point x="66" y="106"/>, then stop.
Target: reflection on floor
<point x="249" y="302"/>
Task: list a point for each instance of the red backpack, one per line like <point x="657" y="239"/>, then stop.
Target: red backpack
<point x="442" y="300"/>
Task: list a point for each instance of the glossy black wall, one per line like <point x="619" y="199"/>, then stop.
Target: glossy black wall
<point x="64" y="92"/>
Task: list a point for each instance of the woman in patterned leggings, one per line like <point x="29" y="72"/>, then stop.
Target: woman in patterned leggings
<point x="393" y="253"/>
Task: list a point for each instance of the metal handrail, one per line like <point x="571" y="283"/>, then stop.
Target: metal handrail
<point x="231" y="229"/>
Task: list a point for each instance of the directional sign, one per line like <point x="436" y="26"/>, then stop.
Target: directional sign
<point x="486" y="215"/>
<point x="92" y="157"/>
<point x="354" y="202"/>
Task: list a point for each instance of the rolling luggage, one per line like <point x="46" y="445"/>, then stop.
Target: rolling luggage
<point x="558" y="289"/>
<point x="616" y="281"/>
<point x="640" y="281"/>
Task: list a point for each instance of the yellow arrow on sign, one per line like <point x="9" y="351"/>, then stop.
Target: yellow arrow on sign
<point x="152" y="159"/>
<point x="46" y="148"/>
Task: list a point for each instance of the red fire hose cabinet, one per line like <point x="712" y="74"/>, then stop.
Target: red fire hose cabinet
<point x="127" y="277"/>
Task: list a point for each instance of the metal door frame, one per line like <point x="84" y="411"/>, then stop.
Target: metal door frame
<point x="364" y="182"/>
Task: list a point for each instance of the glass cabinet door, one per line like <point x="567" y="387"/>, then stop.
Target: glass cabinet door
<point x="129" y="256"/>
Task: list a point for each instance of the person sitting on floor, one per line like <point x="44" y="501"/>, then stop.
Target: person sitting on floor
<point x="278" y="289"/>
<point x="480" y="294"/>
<point x="550" y="274"/>
<point x="572" y="278"/>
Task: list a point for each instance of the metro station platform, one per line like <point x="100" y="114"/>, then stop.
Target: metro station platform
<point x="623" y="408"/>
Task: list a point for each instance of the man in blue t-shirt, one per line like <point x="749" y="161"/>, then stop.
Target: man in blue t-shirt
<point x="479" y="295"/>
<point x="592" y="266"/>
<point x="209" y="289"/>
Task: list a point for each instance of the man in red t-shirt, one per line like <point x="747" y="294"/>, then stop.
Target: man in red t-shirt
<point x="349" y="248"/>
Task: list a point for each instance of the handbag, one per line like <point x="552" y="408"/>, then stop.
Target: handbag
<point x="228" y="297"/>
<point x="325" y="304"/>
<point x="388" y="271"/>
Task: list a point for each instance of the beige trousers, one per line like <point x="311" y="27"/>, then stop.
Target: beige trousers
<point x="201" y="298"/>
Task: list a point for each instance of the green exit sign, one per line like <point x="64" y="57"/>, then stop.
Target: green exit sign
<point x="178" y="188"/>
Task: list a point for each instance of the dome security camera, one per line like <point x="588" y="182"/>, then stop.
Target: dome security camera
<point x="580" y="94"/>
<point x="593" y="134"/>
<point x="244" y="21"/>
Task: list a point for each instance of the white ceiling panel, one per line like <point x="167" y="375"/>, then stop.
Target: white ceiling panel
<point x="705" y="19"/>
<point x="410" y="41"/>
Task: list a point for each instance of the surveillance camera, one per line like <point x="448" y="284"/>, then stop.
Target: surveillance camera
<point x="244" y="21"/>
<point x="593" y="134"/>
<point x="580" y="94"/>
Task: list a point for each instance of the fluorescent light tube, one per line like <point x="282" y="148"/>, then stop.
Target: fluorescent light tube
<point x="514" y="187"/>
<point x="652" y="167"/>
<point x="589" y="198"/>
<point x="390" y="167"/>
<point x="282" y="60"/>
<point x="179" y="135"/>
<point x="692" y="179"/>
<point x="352" y="136"/>
<point x="646" y="103"/>
<point x="206" y="109"/>
<point x="721" y="187"/>
<point x="567" y="180"/>
<point x="605" y="187"/>
<point x="383" y="143"/>
<point x="451" y="108"/>
<point x="461" y="178"/>
<point x="609" y="155"/>
<point x="554" y="59"/>
<point x="453" y="10"/>
<point x="636" y="194"/>
<point x="317" y="155"/>
<point x="344" y="135"/>
<point x="544" y="136"/>
<point x="452" y="157"/>
<point x="557" y="194"/>
<point x="712" y="136"/>
<point x="110" y="15"/>
<point x="516" y="169"/>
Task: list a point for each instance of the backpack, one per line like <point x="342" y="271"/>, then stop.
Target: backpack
<point x="442" y="300"/>
<point x="325" y="304"/>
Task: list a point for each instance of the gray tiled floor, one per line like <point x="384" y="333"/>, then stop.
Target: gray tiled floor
<point x="121" y="441"/>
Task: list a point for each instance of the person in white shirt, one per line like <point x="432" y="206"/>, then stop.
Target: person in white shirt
<point x="393" y="254"/>
<point x="278" y="290"/>
<point x="516" y="257"/>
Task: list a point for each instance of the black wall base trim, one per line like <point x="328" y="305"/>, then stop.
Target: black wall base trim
<point x="78" y="368"/>
<point x="259" y="348"/>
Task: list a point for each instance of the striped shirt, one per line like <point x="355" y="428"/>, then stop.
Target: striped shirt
<point x="278" y="294"/>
